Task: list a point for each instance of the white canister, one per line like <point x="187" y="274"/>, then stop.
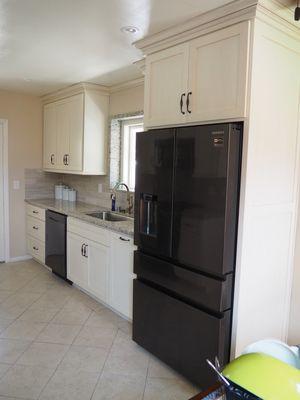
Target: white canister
<point x="65" y="193"/>
<point x="59" y="191"/>
<point x="72" y="195"/>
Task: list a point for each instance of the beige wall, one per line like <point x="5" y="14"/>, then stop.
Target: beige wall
<point x="24" y="115"/>
<point x="126" y="101"/>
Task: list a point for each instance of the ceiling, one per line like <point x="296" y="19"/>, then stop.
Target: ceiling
<point x="48" y="44"/>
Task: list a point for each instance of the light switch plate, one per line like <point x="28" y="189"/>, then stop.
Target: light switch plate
<point x="100" y="188"/>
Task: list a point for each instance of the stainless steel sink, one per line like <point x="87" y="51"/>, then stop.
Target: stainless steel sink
<point x="108" y="216"/>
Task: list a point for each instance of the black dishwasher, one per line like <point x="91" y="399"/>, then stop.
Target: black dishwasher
<point x="56" y="255"/>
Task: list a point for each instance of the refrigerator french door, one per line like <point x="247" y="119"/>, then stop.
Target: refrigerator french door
<point x="186" y="210"/>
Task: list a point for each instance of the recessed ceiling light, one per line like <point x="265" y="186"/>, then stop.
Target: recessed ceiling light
<point x="129" y="29"/>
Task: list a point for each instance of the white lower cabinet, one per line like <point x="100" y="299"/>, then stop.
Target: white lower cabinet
<point x="101" y="263"/>
<point x="121" y="273"/>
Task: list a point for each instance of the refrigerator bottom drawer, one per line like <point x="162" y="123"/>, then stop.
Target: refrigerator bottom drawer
<point x="180" y="335"/>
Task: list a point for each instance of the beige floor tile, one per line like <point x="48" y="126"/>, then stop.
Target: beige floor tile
<point x="103" y="318"/>
<point x="59" y="333"/>
<point x="38" y="314"/>
<point x="11" y="312"/>
<point x="72" y="317"/>
<point x="96" y="337"/>
<point x="21" y="299"/>
<point x="70" y="384"/>
<point x="158" y="369"/>
<point x="44" y="354"/>
<point x="25" y="382"/>
<point x="11" y="350"/>
<point x="119" y="387"/>
<point x="25" y="330"/>
<point x="129" y="364"/>
<point x="4" y="323"/>
<point x="85" y="358"/>
<point x="4" y="368"/>
<point x="168" y="389"/>
<point x="5" y="294"/>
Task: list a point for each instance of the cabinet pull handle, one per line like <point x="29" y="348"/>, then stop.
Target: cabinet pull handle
<point x="82" y="250"/>
<point x="35" y="212"/>
<point x="67" y="159"/>
<point x="51" y="159"/>
<point x="35" y="248"/>
<point x="124" y="240"/>
<point x="85" y="251"/>
<point x="181" y="103"/>
<point x="35" y="228"/>
<point x="188" y="102"/>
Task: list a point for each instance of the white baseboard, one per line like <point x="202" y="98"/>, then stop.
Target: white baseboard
<point x="17" y="259"/>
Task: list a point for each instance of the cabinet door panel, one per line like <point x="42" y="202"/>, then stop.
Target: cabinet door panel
<point x="77" y="270"/>
<point x="63" y="127"/>
<point x="122" y="274"/>
<point x="49" y="144"/>
<point x="218" y="74"/>
<point x="166" y="81"/>
<point x="98" y="259"/>
<point x="75" y="154"/>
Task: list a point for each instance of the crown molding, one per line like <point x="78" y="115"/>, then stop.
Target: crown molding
<point x="72" y="90"/>
<point x="126" y="85"/>
<point x="229" y="14"/>
<point x="141" y="64"/>
<point x="221" y="17"/>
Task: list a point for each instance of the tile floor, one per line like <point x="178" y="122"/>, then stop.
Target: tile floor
<point x="56" y="343"/>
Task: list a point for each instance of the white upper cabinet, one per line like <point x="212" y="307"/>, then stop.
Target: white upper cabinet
<point x="50" y="136"/>
<point x="75" y="132"/>
<point x="218" y="74"/>
<point x="202" y="80"/>
<point x="166" y="86"/>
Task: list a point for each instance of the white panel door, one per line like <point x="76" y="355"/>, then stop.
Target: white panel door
<point x="122" y="249"/>
<point x="2" y="239"/>
<point x="63" y="133"/>
<point x="166" y="81"/>
<point x="75" y="114"/>
<point x="49" y="158"/>
<point x="77" y="269"/>
<point x="98" y="261"/>
<point x="218" y="74"/>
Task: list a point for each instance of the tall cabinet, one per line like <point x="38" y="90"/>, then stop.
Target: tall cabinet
<point x="241" y="62"/>
<point x="75" y="130"/>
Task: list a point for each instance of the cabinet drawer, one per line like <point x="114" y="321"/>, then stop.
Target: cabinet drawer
<point x="89" y="231"/>
<point x="36" y="248"/>
<point x="36" y="212"/>
<point x="36" y="228"/>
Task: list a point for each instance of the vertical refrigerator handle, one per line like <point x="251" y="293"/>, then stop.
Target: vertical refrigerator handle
<point x="148" y="218"/>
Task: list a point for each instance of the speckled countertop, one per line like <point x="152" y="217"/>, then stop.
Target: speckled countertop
<point x="79" y="210"/>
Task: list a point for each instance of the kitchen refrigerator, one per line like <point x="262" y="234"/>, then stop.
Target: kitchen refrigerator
<point x="186" y="213"/>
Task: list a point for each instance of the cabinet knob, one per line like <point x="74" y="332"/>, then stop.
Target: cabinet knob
<point x="35" y="212"/>
<point x="35" y="248"/>
<point x="35" y="228"/>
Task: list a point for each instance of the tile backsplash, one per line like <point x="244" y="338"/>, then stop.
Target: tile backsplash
<point x="40" y="184"/>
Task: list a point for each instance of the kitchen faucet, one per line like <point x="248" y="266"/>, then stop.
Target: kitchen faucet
<point x="129" y="197"/>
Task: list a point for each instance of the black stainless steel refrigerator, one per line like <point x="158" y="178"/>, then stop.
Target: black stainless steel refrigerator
<point x="186" y="212"/>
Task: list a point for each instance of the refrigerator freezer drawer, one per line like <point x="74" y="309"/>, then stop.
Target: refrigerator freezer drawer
<point x="204" y="292"/>
<point x="180" y="335"/>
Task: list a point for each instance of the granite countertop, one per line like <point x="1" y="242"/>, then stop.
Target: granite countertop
<point x="79" y="210"/>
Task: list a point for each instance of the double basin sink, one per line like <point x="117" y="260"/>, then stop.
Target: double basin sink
<point x="109" y="216"/>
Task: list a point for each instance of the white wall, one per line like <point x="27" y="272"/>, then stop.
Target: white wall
<point x="24" y="115"/>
